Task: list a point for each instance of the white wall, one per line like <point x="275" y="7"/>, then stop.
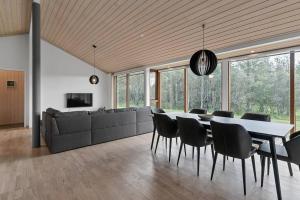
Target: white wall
<point x="14" y="55"/>
<point x="63" y="73"/>
<point x="14" y="52"/>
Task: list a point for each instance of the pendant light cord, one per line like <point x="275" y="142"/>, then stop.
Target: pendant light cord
<point x="203" y="26"/>
<point x="94" y="46"/>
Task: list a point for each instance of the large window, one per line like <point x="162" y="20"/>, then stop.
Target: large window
<point x="121" y="91"/>
<point x="297" y="90"/>
<point x="172" y="90"/>
<point x="136" y="90"/>
<point x="153" y="88"/>
<point x="205" y="91"/>
<point x="262" y="85"/>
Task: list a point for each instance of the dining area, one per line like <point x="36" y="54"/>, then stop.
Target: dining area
<point x="252" y="138"/>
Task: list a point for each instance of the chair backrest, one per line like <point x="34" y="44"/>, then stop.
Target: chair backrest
<point x="231" y="139"/>
<point x="293" y="148"/>
<point x="166" y="126"/>
<point x="198" y="111"/>
<point x="221" y="113"/>
<point x="191" y="132"/>
<point x="157" y="110"/>
<point x="257" y="116"/>
<point x="294" y="135"/>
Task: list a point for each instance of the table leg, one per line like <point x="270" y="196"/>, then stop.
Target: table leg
<point x="288" y="163"/>
<point x="275" y="167"/>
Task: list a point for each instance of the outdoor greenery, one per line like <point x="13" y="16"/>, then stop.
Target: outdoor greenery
<point x="261" y="85"/>
<point x="121" y="91"/>
<point x="136" y="90"/>
<point x="172" y="90"/>
<point x="205" y="91"/>
<point x="297" y="90"/>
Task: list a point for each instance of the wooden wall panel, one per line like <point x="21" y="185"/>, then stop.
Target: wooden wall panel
<point x="14" y="17"/>
<point x="11" y="99"/>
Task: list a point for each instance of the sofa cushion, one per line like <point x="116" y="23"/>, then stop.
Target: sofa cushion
<point x="104" y="120"/>
<point x="52" y="111"/>
<point x="73" y="122"/>
<point x="101" y="109"/>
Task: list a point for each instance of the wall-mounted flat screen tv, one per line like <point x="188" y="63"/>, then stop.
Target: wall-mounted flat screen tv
<point x="79" y="100"/>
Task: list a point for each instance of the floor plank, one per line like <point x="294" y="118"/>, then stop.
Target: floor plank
<point x="126" y="169"/>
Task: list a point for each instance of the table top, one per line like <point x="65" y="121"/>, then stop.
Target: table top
<point x="271" y="129"/>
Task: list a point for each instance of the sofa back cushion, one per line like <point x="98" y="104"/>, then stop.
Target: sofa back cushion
<point x="113" y="119"/>
<point x="73" y="122"/>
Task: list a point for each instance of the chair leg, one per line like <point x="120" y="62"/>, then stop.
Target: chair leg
<point x="299" y="167"/>
<point x="254" y="167"/>
<point x="214" y="165"/>
<point x="170" y="146"/>
<point x="205" y="149"/>
<point x="224" y="158"/>
<point x="176" y="141"/>
<point x="184" y="150"/>
<point x="156" y="143"/>
<point x="193" y="152"/>
<point x="166" y="143"/>
<point x="269" y="163"/>
<point x="180" y="148"/>
<point x="212" y="151"/>
<point x="263" y="161"/>
<point x="227" y="157"/>
<point x="153" y="138"/>
<point x="198" y="160"/>
<point x="290" y="168"/>
<point x="244" y="175"/>
<point x="232" y="159"/>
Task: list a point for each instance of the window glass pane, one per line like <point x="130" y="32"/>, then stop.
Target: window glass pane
<point x="121" y="91"/>
<point x="136" y="90"/>
<point x="172" y="90"/>
<point x="297" y="90"/>
<point x="153" y="96"/>
<point x="261" y="85"/>
<point x="205" y="91"/>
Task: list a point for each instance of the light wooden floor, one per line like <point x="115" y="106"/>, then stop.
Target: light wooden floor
<point x="127" y="170"/>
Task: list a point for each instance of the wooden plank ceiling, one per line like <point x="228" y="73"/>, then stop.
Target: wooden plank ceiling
<point x="135" y="33"/>
<point x="14" y="17"/>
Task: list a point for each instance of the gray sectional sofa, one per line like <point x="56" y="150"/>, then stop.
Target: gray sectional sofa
<point x="69" y="130"/>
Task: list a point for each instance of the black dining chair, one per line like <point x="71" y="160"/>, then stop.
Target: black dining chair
<point x="223" y="113"/>
<point x="198" y="111"/>
<point x="233" y="140"/>
<point x="167" y="128"/>
<point x="155" y="110"/>
<point x="192" y="133"/>
<point x="266" y="118"/>
<point x="288" y="152"/>
<point x="257" y="117"/>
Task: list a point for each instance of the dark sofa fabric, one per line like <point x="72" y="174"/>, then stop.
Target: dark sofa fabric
<point x="69" y="130"/>
<point x="144" y="122"/>
<point x="112" y="126"/>
<point x="66" y="131"/>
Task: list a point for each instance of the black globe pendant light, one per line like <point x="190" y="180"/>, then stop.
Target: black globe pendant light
<point x="204" y="61"/>
<point x="94" y="78"/>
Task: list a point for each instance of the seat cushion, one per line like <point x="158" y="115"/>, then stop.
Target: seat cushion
<point x="281" y="152"/>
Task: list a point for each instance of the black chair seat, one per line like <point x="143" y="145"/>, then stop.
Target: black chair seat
<point x="281" y="152"/>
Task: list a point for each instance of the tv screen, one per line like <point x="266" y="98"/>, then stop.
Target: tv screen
<point x="79" y="100"/>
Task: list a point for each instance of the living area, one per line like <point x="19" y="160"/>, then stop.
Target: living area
<point x="138" y="99"/>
